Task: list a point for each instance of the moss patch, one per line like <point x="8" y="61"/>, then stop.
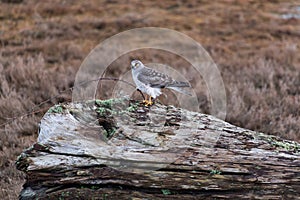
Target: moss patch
<point x="287" y="145"/>
<point x="166" y="192"/>
<point x="280" y="143"/>
<point x="56" y="109"/>
<point x="108" y="110"/>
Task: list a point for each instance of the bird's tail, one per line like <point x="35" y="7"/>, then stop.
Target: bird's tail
<point x="181" y="90"/>
<point x="179" y="84"/>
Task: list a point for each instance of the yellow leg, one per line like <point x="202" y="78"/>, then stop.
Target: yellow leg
<point x="148" y="102"/>
<point x="145" y="100"/>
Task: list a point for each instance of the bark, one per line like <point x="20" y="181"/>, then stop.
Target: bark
<point x="120" y="149"/>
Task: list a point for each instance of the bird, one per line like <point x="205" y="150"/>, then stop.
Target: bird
<point x="150" y="81"/>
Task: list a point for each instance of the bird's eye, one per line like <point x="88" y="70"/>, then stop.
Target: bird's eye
<point x="135" y="64"/>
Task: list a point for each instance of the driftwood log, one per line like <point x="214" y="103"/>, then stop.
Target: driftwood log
<point x="120" y="149"/>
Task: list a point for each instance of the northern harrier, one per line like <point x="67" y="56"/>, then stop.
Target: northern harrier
<point x="151" y="81"/>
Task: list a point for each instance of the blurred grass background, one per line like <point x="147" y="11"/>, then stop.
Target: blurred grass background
<point x="254" y="43"/>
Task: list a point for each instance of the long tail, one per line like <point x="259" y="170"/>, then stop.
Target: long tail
<point x="179" y="84"/>
<point x="181" y="90"/>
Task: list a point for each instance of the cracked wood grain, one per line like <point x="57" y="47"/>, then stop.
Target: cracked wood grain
<point x="153" y="153"/>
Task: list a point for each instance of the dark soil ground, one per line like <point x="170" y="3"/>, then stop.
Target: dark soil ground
<point x="254" y="43"/>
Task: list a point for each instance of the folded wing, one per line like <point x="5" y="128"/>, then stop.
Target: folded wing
<point x="156" y="79"/>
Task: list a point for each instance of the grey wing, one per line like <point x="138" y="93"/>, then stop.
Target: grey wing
<point x="153" y="78"/>
<point x="156" y="79"/>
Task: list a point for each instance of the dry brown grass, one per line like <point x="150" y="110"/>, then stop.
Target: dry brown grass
<point x="24" y="83"/>
<point x="43" y="44"/>
<point x="265" y="97"/>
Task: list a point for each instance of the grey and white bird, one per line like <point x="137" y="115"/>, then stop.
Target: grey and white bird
<point x="151" y="82"/>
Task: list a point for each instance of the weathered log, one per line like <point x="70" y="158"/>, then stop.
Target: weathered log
<point x="120" y="149"/>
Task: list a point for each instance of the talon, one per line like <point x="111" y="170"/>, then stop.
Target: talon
<point x="148" y="102"/>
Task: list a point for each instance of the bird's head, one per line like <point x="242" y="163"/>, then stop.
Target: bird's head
<point x="136" y="64"/>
